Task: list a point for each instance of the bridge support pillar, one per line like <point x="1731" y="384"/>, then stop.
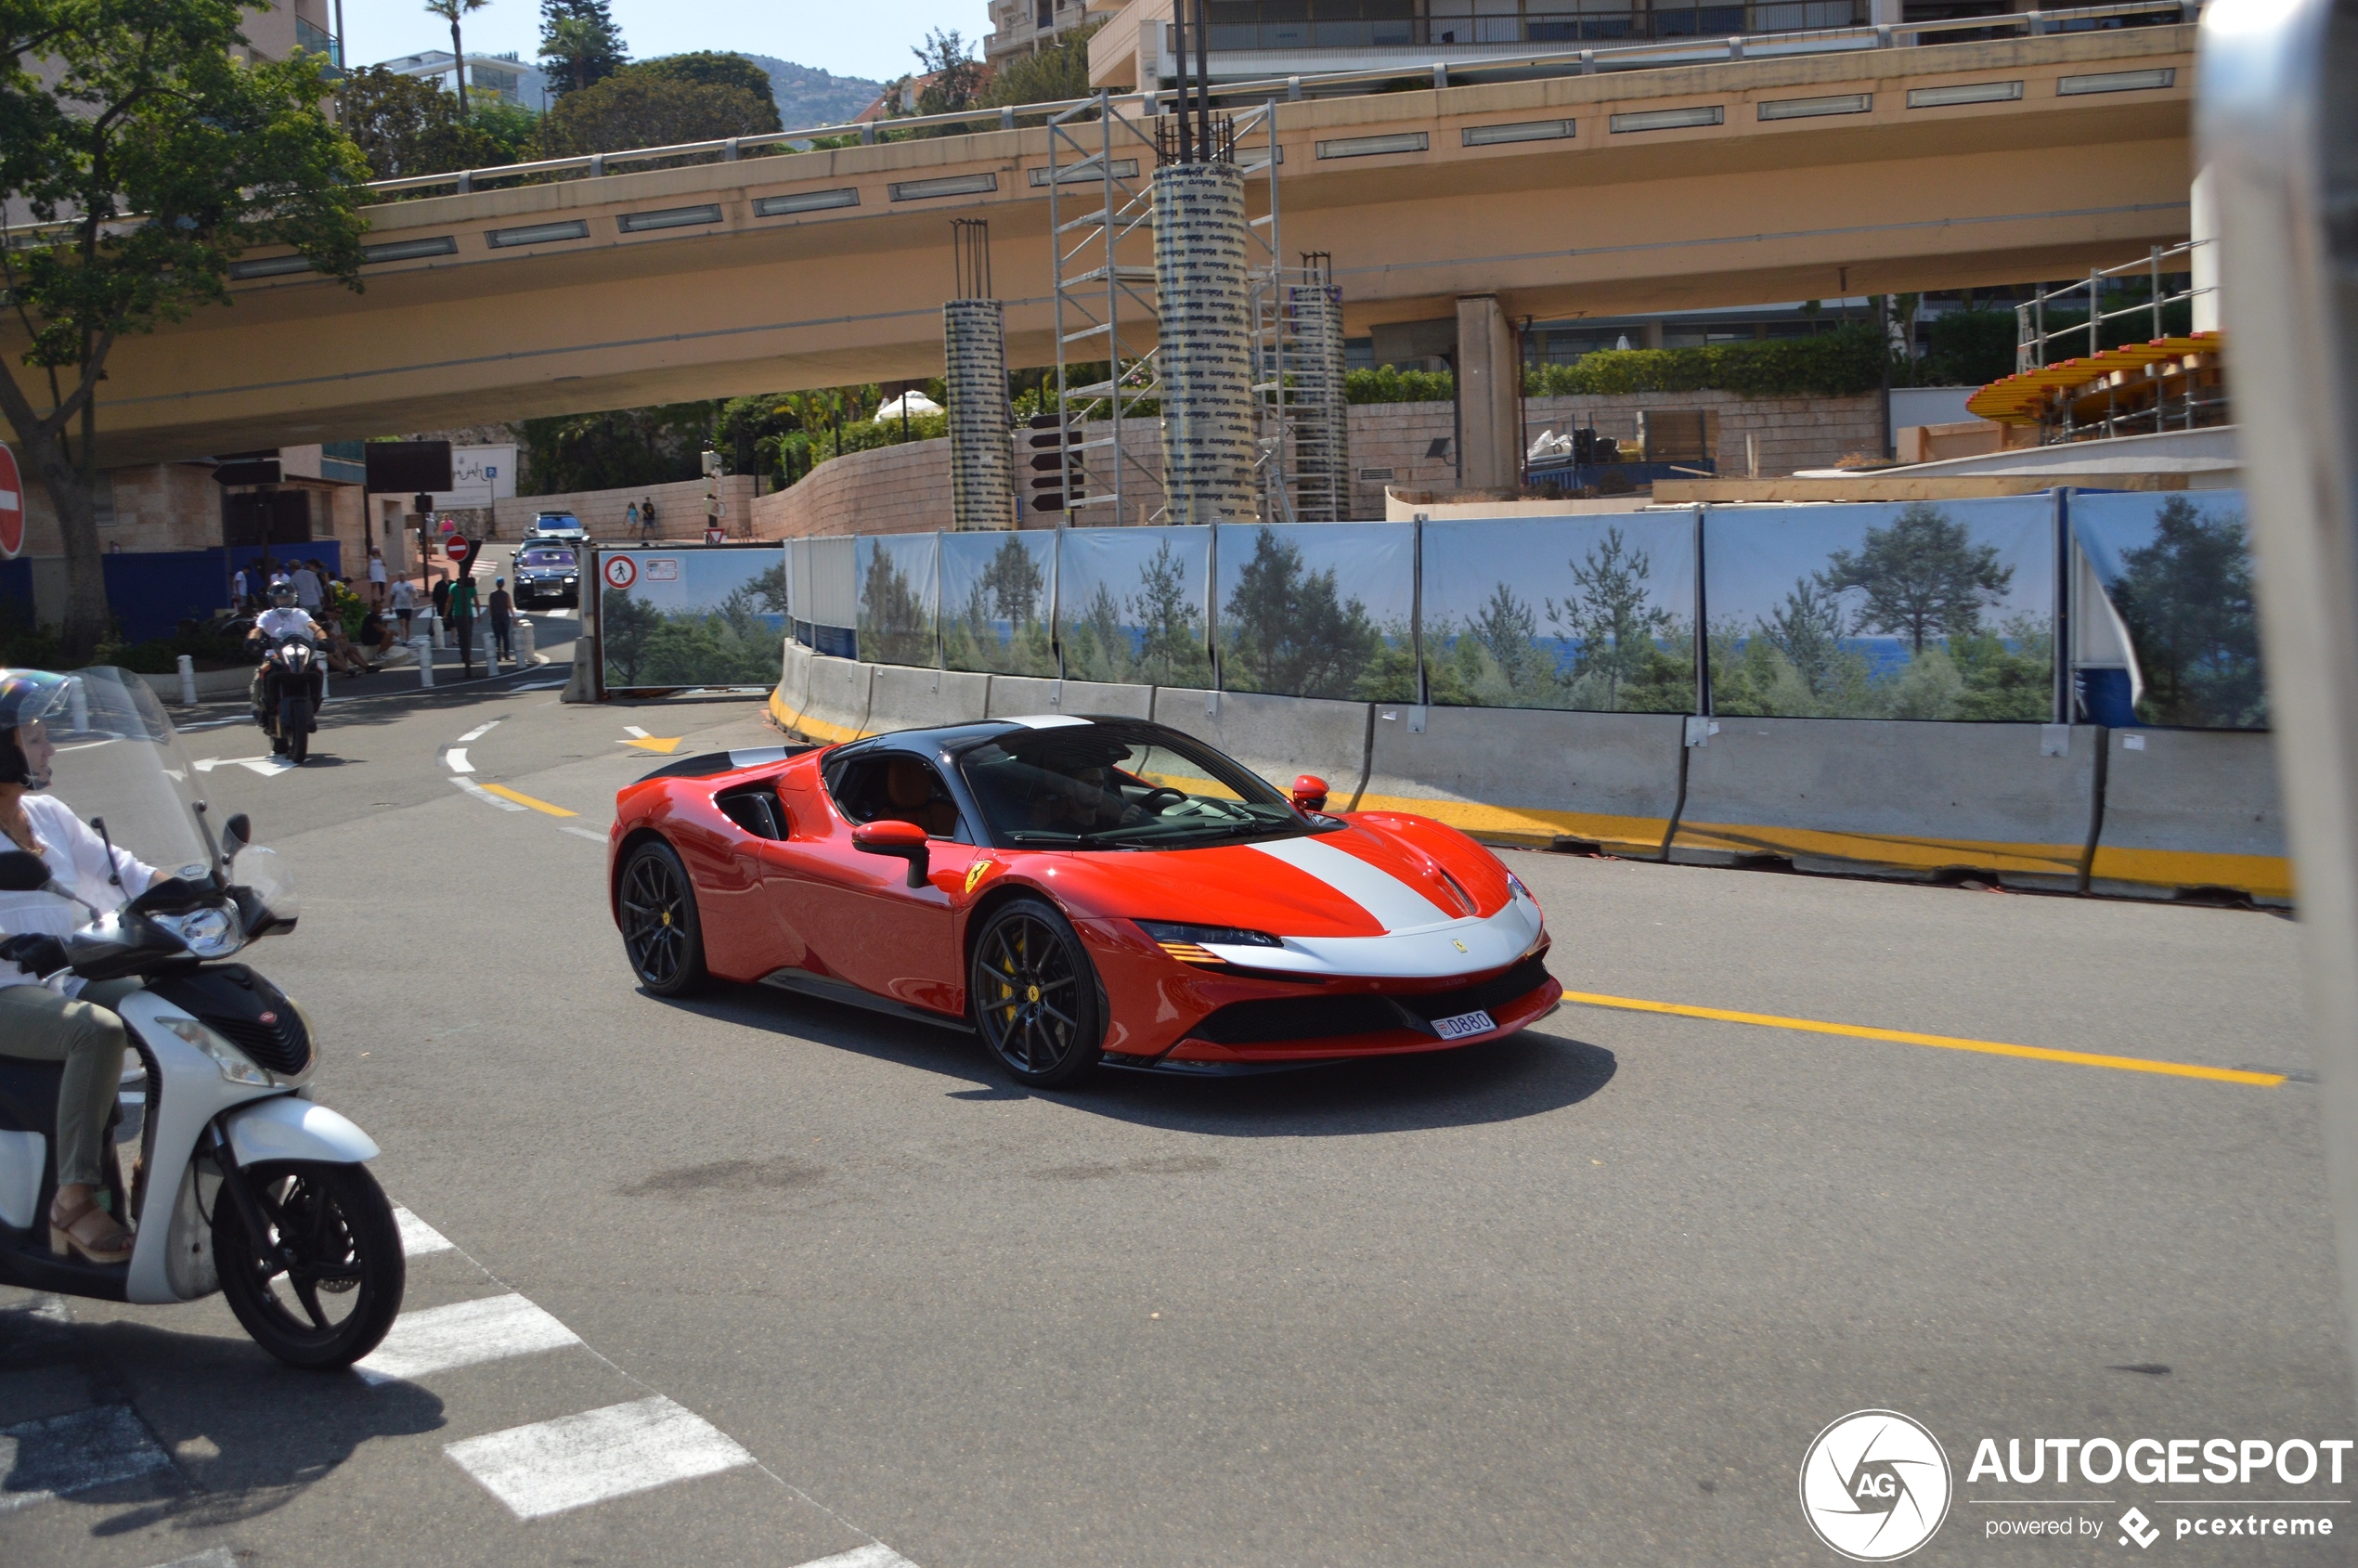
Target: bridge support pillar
<point x="1488" y="378"/>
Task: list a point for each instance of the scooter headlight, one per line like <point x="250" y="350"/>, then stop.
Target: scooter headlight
<point x="210" y="933"/>
<point x="235" y="1065"/>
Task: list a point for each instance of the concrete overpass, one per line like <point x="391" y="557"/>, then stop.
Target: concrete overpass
<point x="1819" y="176"/>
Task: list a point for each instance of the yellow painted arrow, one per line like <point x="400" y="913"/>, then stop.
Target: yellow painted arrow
<point x="647" y="742"/>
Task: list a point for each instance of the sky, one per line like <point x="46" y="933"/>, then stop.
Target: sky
<point x="871" y="38"/>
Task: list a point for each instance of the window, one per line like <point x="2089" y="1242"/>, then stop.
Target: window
<point x="1118" y="784"/>
<point x="898" y="787"/>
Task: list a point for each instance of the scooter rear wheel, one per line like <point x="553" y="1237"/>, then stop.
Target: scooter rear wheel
<point x="322" y="1290"/>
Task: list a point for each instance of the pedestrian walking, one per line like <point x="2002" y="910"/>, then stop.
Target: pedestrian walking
<point x="404" y="604"/>
<point x="647" y="518"/>
<point x="630" y="517"/>
<point x="238" y="590"/>
<point x="462" y="619"/>
<point x="503" y="613"/>
<point x="376" y="576"/>
<point x="307" y="587"/>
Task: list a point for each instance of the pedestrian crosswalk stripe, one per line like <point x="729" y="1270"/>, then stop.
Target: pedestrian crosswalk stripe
<point x="876" y="1556"/>
<point x="99" y="1446"/>
<point x="463" y="1334"/>
<point x="551" y="1467"/>
<point x="219" y="1556"/>
<point x="418" y="1239"/>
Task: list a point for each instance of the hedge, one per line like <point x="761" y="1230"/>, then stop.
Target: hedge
<point x="1836" y="364"/>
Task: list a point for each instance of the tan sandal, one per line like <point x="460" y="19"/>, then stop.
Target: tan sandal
<point x="102" y="1249"/>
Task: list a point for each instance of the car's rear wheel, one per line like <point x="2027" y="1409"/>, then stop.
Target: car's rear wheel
<point x="660" y="930"/>
<point x="1034" y="995"/>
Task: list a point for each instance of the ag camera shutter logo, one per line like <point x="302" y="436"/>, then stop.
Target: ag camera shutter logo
<point x="1875" y="1485"/>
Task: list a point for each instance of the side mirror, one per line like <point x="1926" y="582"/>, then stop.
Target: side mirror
<point x="236" y="834"/>
<point x="906" y="841"/>
<point x="1310" y="793"/>
<point x="22" y="871"/>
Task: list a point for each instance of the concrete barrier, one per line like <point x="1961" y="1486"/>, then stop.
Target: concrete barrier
<point x="1279" y="738"/>
<point x="1893" y="798"/>
<point x="905" y="697"/>
<point x="2191" y="809"/>
<point x="793" y="695"/>
<point x="1015" y="695"/>
<point x="836" y="708"/>
<point x="1532" y="776"/>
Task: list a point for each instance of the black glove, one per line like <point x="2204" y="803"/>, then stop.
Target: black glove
<point x="35" y="954"/>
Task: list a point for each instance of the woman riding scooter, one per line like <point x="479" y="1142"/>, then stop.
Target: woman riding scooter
<point x="68" y="1020"/>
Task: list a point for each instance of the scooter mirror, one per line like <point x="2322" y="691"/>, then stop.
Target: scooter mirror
<point x="236" y="834"/>
<point x="22" y="871"/>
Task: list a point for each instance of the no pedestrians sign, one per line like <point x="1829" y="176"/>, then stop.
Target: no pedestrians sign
<point x="12" y="505"/>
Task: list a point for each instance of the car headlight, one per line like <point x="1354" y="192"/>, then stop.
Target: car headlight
<point x="235" y="1065"/>
<point x="1189" y="943"/>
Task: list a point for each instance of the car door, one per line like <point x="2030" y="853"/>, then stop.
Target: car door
<point x="852" y="917"/>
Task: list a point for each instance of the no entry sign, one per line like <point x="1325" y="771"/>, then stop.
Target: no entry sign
<point x="458" y="548"/>
<point x="12" y="505"/>
<point x="621" y="571"/>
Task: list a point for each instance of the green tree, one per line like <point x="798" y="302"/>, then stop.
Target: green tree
<point x="1170" y="651"/>
<point x="1289" y="630"/>
<point x="512" y="130"/>
<point x="1612" y="621"/>
<point x="451" y="11"/>
<point x="709" y="67"/>
<point x="627" y="110"/>
<point x="620" y="448"/>
<point x="148" y="159"/>
<point x="1057" y="71"/>
<point x="958" y="76"/>
<point x="894" y="626"/>
<point x="624" y="624"/>
<point x="1922" y="574"/>
<point x="2008" y="674"/>
<point x="2185" y="596"/>
<point x="1509" y="632"/>
<point x="404" y="126"/>
<point x="1014" y="581"/>
<point x="580" y="43"/>
<point x="1808" y="630"/>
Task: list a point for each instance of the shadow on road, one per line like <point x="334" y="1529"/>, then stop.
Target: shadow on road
<point x="1528" y="1075"/>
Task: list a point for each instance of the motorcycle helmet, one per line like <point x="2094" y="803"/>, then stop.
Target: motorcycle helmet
<point x="25" y="695"/>
<point x="282" y="592"/>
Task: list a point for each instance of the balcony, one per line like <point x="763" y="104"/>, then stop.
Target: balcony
<point x="319" y="41"/>
<point x="1544" y="26"/>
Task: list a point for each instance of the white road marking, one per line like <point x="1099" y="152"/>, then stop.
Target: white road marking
<point x="876" y="1556"/>
<point x="590" y="834"/>
<point x="45" y="1308"/>
<point x="635" y="732"/>
<point x="99" y="1446"/>
<point x="456" y="757"/>
<point x="478" y="732"/>
<point x="463" y="1334"/>
<point x="549" y="1467"/>
<point x="268" y="767"/>
<point x="219" y="1556"/>
<point x="418" y="1239"/>
<point x="487" y="796"/>
<point x="547" y="685"/>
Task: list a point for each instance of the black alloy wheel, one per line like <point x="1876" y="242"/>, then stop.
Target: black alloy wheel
<point x="660" y="930"/>
<point x="322" y="1286"/>
<point x="1034" y="994"/>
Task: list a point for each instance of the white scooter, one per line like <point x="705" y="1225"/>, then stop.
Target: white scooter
<point x="241" y="1184"/>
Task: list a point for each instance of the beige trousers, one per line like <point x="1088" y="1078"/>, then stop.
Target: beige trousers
<point x="39" y="1025"/>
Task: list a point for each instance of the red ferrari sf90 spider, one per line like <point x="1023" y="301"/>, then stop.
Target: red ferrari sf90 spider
<point x="1077" y="891"/>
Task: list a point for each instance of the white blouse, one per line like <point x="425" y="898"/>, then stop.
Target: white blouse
<point x="78" y="861"/>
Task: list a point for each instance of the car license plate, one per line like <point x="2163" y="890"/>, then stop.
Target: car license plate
<point x="1463" y="1025"/>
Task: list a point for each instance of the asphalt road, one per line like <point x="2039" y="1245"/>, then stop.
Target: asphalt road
<point x="1582" y="1297"/>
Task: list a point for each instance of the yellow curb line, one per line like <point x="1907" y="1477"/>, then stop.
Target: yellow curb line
<point x="1944" y="1042"/>
<point x="504" y="793"/>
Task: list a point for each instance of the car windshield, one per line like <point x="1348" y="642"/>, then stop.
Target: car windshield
<point x="547" y="558"/>
<point x="1119" y="785"/>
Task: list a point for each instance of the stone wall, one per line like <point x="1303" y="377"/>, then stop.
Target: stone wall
<point x="902" y="489"/>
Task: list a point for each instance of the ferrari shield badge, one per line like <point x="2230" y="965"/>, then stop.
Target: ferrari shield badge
<point x="976" y="873"/>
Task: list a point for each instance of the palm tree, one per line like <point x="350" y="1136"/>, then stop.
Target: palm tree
<point x="450" y="12"/>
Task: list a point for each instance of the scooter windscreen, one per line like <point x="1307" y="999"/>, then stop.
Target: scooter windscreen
<point x="119" y="767"/>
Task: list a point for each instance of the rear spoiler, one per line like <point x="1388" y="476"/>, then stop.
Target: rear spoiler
<point x="711" y="762"/>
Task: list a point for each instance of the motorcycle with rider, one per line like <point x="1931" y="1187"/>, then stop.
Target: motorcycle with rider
<point x="292" y="681"/>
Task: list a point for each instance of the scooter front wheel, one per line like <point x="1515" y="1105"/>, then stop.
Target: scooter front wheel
<point x="320" y="1289"/>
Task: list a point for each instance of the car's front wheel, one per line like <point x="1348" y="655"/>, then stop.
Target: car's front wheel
<point x="1034" y="995"/>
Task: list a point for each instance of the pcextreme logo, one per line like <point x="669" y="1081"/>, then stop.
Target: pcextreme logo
<point x="1875" y="1485"/>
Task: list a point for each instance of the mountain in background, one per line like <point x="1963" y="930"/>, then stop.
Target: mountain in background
<point x="811" y="97"/>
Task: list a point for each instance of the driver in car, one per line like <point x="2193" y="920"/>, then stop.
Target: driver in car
<point x="1083" y="798"/>
<point x="65" y="1019"/>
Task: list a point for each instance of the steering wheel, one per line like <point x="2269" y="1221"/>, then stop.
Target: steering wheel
<point x="1164" y="794"/>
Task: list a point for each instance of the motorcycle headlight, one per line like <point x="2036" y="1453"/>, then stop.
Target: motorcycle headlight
<point x="210" y="933"/>
<point x="235" y="1065"/>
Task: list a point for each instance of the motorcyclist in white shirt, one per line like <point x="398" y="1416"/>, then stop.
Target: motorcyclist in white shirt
<point x="65" y="1019"/>
<point x="282" y="619"/>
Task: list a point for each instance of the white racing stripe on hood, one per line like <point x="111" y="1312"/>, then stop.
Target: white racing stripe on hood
<point x="1394" y="905"/>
